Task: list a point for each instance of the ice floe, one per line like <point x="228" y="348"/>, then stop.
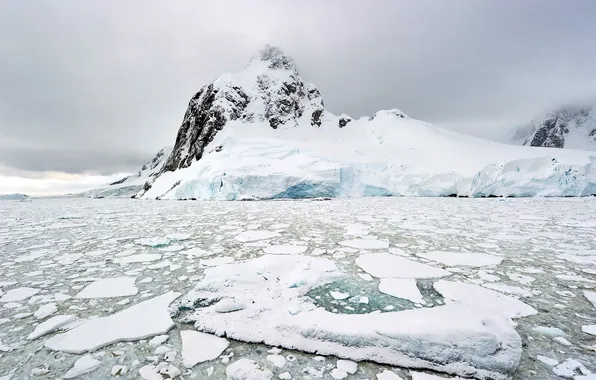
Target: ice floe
<point x="469" y="259"/>
<point x="386" y="265"/>
<point x="403" y="288"/>
<point x="83" y="365"/>
<point x="122" y="326"/>
<point x="18" y="294"/>
<point x="198" y="347"/>
<point x="110" y="288"/>
<point x="476" y="295"/>
<point x="285" y="249"/>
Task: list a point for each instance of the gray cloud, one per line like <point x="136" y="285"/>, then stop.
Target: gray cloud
<point x="101" y="86"/>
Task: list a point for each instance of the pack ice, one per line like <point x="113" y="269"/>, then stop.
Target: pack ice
<point x="271" y="307"/>
<point x="263" y="132"/>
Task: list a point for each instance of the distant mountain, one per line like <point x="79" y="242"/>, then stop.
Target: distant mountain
<point x="13" y="197"/>
<point x="264" y="133"/>
<point x="566" y="127"/>
<point x="132" y="184"/>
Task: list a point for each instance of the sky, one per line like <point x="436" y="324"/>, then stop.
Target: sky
<point x="90" y="89"/>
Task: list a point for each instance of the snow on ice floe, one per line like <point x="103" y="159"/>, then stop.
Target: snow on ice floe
<point x="476" y="295"/>
<point x="255" y="235"/>
<point x="589" y="329"/>
<point x="45" y="310"/>
<point x="18" y="294"/>
<point x="51" y="325"/>
<point x="470" y="259"/>
<point x="154" y="242"/>
<point x="402" y="288"/>
<point x="246" y="369"/>
<point x="276" y="312"/>
<point x="509" y="289"/>
<point x="365" y="244"/>
<point x="285" y="249"/>
<point x="590" y="296"/>
<point x="198" y="347"/>
<point x="122" y="326"/>
<point x="85" y="364"/>
<point x="139" y="258"/>
<point x="386" y="265"/>
<point x="110" y="288"/>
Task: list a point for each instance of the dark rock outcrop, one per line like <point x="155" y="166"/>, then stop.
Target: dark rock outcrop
<point x="552" y="130"/>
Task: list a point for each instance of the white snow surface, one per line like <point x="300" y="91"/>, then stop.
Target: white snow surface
<point x="143" y="320"/>
<point x="83" y="365"/>
<point x="386" y="154"/>
<point x="18" y="294"/>
<point x="401" y="287"/>
<point x="386" y="265"/>
<point x="109" y="288"/>
<point x="475" y="295"/>
<point x="198" y="347"/>
<point x="454" y="338"/>
<point x="469" y="259"/>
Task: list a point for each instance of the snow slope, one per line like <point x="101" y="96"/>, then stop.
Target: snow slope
<point x="264" y="133"/>
<point x="132" y="184"/>
<point x="567" y="127"/>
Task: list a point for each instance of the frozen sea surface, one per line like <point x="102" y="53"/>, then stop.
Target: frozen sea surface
<point x="99" y="289"/>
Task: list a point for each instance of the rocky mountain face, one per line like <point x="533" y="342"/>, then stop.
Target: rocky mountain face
<point x="568" y="127"/>
<point x="269" y="89"/>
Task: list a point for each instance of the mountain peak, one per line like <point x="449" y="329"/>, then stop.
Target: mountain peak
<point x="276" y="58"/>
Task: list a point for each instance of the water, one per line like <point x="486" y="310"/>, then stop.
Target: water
<point x="60" y="245"/>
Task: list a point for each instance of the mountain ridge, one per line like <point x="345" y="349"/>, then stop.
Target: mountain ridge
<point x="263" y="132"/>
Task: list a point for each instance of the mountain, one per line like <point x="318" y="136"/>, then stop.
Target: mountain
<point x="13" y="197"/>
<point x="566" y="127"/>
<point x="263" y="132"/>
<point x="132" y="184"/>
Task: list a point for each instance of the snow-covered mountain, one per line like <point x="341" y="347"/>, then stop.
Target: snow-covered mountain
<point x="567" y="127"/>
<point x="132" y="184"/>
<point x="263" y="132"/>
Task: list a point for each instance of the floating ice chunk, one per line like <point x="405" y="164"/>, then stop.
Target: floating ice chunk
<point x="285" y="249"/>
<point x="525" y="280"/>
<point x="51" y="325"/>
<point x="122" y="326"/>
<point x="158" y="340"/>
<point x="548" y="331"/>
<point x="365" y="276"/>
<point x="178" y="236"/>
<point x="139" y="258"/>
<point x="574" y="278"/>
<point x="570" y="368"/>
<point x="216" y="261"/>
<point x="469" y="259"/>
<point x="109" y="288"/>
<point x="386" y="265"/>
<point x="285" y="376"/>
<point x="246" y="369"/>
<point x="515" y="290"/>
<point x="4" y="284"/>
<point x="255" y="235"/>
<point x="198" y="347"/>
<point x="590" y="296"/>
<point x="476" y="295"/>
<point x="546" y="360"/>
<point x="402" y="288"/>
<point x="339" y="295"/>
<point x="486" y="276"/>
<point x="18" y="294"/>
<point x="46" y="310"/>
<point x="348" y="366"/>
<point x="83" y="365"/>
<point x="589" y="329"/>
<point x="428" y="376"/>
<point x="277" y="360"/>
<point x="388" y="375"/>
<point x="154" y="242"/>
<point x="119" y="370"/>
<point x="563" y="341"/>
<point x="365" y="244"/>
<point x="338" y="374"/>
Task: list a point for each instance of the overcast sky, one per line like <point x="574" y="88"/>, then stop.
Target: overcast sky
<point x="90" y="88"/>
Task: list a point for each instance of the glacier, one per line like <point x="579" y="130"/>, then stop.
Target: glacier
<point x="264" y="133"/>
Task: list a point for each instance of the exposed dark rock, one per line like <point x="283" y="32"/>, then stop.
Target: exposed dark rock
<point x="553" y="129"/>
<point x="316" y="117"/>
<point x="343" y="121"/>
